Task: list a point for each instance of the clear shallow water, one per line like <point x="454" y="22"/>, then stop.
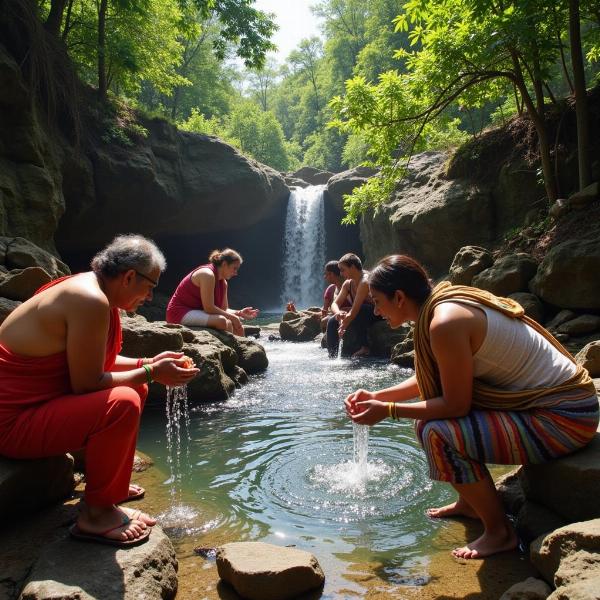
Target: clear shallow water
<point x="276" y="463"/>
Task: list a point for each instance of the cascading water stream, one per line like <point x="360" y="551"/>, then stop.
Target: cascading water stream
<point x="304" y="247"/>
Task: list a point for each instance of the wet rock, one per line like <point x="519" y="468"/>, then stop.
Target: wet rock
<point x="468" y="262"/>
<point x="589" y="358"/>
<point x="568" y="554"/>
<point x="344" y="183"/>
<point x="28" y="485"/>
<point x="580" y="325"/>
<point x="21" y="284"/>
<point x="570" y="485"/>
<point x="142" y="338"/>
<point x="252" y="331"/>
<point x="382" y="338"/>
<point x="568" y="275"/>
<point x="141" y="462"/>
<point x="531" y="304"/>
<point x="19" y="253"/>
<point x="250" y="354"/>
<point x="67" y="569"/>
<point x="530" y="589"/>
<point x="507" y="275"/>
<point x="303" y="328"/>
<point x="6" y="307"/>
<point x="260" y="571"/>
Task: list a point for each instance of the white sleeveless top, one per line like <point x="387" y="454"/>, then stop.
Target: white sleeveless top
<point x="515" y="357"/>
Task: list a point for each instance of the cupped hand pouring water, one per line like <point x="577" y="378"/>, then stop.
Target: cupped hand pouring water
<point x="173" y="369"/>
<point x="363" y="408"/>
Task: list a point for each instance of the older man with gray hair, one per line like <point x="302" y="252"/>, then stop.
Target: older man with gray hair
<point x="64" y="387"/>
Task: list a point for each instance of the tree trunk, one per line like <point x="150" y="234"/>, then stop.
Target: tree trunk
<point x="52" y="24"/>
<point x="102" y="81"/>
<point x="581" y="103"/>
<point x="540" y="127"/>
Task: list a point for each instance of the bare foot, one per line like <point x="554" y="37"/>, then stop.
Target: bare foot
<point x="489" y="543"/>
<point x="362" y="351"/>
<point x="457" y="509"/>
<point x="113" y="522"/>
<point x="138" y="515"/>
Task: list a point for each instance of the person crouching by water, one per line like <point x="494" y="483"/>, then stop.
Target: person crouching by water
<point x="200" y="299"/>
<point x="335" y="280"/>
<point x="355" y="292"/>
<point x="493" y="387"/>
<point x="64" y="387"/>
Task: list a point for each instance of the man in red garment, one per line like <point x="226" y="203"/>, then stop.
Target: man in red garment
<point x="64" y="387"/>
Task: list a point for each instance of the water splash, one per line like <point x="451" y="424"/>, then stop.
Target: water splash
<point x="361" y="447"/>
<point x="178" y="442"/>
<point x="304" y="247"/>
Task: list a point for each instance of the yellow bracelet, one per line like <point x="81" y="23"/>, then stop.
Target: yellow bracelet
<point x="390" y="409"/>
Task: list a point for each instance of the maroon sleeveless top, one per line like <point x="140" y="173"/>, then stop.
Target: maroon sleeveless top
<point x="187" y="296"/>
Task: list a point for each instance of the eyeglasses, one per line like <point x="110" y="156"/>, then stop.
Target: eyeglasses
<point x="154" y="283"/>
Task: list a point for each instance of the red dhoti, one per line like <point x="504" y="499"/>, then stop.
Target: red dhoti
<point x="40" y="416"/>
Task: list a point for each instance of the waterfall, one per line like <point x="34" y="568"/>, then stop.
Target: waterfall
<point x="304" y="247"/>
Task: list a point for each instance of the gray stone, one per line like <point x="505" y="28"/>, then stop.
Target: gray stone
<point x="570" y="485"/>
<point x="251" y="355"/>
<point x="585" y="197"/>
<point x="589" y="358"/>
<point x="569" y="545"/>
<point x="530" y="589"/>
<point x="507" y="275"/>
<point x="382" y="338"/>
<point x="71" y="570"/>
<point x="304" y="328"/>
<point x="21" y="284"/>
<point x="559" y="209"/>
<point x="511" y="491"/>
<point x="312" y="176"/>
<point x="6" y="307"/>
<point x="344" y="183"/>
<point x="561" y="317"/>
<point x="260" y="571"/>
<point x="468" y="262"/>
<point x="28" y="485"/>
<point x="568" y="275"/>
<point x="20" y="253"/>
<point x="531" y="304"/>
<point x="534" y="519"/>
<point x="580" y="325"/>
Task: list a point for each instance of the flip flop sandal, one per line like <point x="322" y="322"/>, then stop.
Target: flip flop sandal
<point x="141" y="492"/>
<point x="100" y="538"/>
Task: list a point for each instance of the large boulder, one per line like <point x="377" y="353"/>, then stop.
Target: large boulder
<point x="589" y="358"/>
<point x="468" y="262"/>
<point x="531" y="304"/>
<point x="580" y="325"/>
<point x="69" y="570"/>
<point x="21" y="284"/>
<point x="427" y="206"/>
<point x="312" y="175"/>
<point x="19" y="253"/>
<point x="345" y="182"/>
<point x="507" y="275"/>
<point x="382" y="338"/>
<point x="304" y="327"/>
<point x="569" y="554"/>
<point x="570" y="485"/>
<point x="567" y="277"/>
<point x="260" y="571"/>
<point x="6" y="307"/>
<point x="511" y="491"/>
<point x="28" y="485"/>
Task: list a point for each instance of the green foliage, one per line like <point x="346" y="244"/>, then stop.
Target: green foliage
<point x="120" y="125"/>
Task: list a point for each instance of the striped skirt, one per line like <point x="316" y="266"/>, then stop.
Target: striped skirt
<point x="457" y="449"/>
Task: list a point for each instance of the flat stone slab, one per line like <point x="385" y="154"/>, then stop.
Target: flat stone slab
<point x="260" y="571"/>
<point x="570" y="486"/>
<point x="69" y="569"/>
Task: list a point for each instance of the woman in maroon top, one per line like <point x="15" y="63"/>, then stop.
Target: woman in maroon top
<point x="200" y="299"/>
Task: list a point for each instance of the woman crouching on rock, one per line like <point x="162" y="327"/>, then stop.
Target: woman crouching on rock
<point x="493" y="387"/>
<point x="200" y="299"/>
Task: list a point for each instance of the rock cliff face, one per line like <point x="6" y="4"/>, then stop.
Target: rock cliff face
<point x="431" y="216"/>
<point x="191" y="193"/>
